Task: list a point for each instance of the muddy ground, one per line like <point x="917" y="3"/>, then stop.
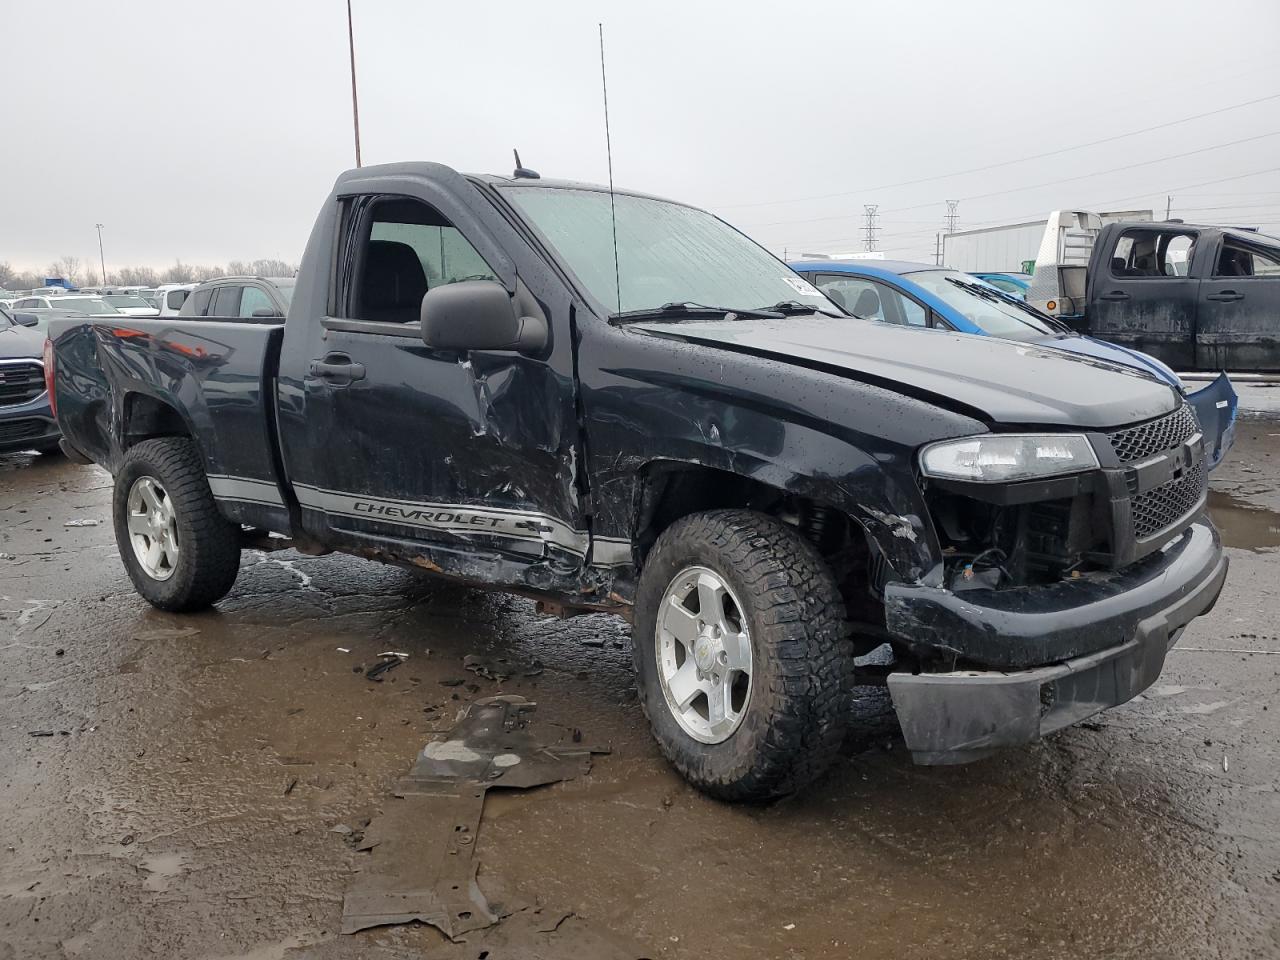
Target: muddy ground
<point x="206" y="779"/>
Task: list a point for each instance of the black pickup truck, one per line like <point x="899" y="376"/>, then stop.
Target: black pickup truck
<point x="474" y="379"/>
<point x="1195" y="297"/>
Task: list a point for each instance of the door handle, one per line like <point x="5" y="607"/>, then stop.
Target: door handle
<point x="336" y="369"/>
<point x="1115" y="295"/>
<point x="1225" y="296"/>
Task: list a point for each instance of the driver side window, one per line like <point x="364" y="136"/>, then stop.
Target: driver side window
<point x="398" y="249"/>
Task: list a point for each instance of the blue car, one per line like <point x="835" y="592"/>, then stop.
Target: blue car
<point x="1014" y="284"/>
<point x="924" y="295"/>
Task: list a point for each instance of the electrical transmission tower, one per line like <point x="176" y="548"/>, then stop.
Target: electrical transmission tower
<point x="870" y="226"/>
<point x="952" y="216"/>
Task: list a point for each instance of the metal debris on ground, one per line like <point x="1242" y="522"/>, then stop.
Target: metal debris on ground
<point x="499" y="669"/>
<point x="82" y="523"/>
<point x="423" y="864"/>
<point x="375" y="672"/>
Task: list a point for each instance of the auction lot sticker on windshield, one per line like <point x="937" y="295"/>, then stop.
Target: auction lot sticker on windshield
<point x="802" y="287"/>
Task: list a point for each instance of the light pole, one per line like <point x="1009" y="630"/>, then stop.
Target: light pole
<point x="355" y="105"/>
<point x="101" y="259"/>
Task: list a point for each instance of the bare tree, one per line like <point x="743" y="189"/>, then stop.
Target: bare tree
<point x="135" y="276"/>
<point x="179" y="273"/>
<point x="7" y="273"/>
<point x="69" y="268"/>
<point x="272" y="268"/>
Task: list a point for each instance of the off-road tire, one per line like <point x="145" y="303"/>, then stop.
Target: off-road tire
<point x="209" y="544"/>
<point x="802" y="655"/>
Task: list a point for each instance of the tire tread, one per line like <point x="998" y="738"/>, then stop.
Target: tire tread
<point x="796" y="605"/>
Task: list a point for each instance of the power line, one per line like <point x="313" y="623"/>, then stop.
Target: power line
<point x="1089" y="205"/>
<point x="1006" y="163"/>
<point x="1033" y="186"/>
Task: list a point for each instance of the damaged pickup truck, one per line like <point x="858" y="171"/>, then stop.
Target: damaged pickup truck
<point x="474" y="381"/>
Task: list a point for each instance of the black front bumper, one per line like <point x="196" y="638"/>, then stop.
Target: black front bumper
<point x="1060" y="653"/>
<point x="28" y="425"/>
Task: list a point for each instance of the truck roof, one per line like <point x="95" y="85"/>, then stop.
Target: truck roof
<point x="439" y="170"/>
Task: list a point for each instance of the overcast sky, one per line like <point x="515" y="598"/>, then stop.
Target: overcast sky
<point x="212" y="131"/>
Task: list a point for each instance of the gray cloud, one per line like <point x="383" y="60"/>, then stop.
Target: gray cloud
<point x="209" y="132"/>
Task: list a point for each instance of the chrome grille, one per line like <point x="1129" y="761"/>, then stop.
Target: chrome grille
<point x="1164" y="506"/>
<point x="1155" y="436"/>
<point x="20" y="382"/>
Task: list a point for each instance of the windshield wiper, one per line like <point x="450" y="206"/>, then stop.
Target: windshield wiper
<point x="999" y="296"/>
<point x="792" y="308"/>
<point x="686" y="309"/>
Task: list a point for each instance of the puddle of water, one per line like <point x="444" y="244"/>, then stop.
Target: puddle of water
<point x="1243" y="525"/>
<point x="162" y="868"/>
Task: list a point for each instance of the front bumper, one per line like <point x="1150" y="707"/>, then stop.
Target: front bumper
<point x="1077" y="659"/>
<point x="26" y="426"/>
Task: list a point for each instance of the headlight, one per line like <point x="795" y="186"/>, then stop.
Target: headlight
<point x="1002" y="457"/>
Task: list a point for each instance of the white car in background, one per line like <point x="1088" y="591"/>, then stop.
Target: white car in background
<point x="169" y="297"/>
<point x="131" y="304"/>
<point x="92" y="305"/>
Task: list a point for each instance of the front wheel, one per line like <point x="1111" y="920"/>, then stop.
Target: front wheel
<point x="742" y="654"/>
<point x="180" y="552"/>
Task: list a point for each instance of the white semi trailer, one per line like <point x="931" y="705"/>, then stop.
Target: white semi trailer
<point x="1011" y="247"/>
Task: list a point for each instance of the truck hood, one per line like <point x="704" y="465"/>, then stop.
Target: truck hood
<point x="1090" y="347"/>
<point x="1002" y="381"/>
<point x="20" y="343"/>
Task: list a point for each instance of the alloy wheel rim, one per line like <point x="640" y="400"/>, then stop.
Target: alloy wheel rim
<point x="153" y="528"/>
<point x="703" y="649"/>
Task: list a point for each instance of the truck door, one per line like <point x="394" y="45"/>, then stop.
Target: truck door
<point x="1238" y="325"/>
<point x="461" y="462"/>
<point x="1140" y="294"/>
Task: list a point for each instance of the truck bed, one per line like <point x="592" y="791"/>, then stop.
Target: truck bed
<point x="123" y="378"/>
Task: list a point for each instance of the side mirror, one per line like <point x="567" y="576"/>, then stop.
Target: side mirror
<point x="266" y="312"/>
<point x="478" y="315"/>
<point x="26" y="319"/>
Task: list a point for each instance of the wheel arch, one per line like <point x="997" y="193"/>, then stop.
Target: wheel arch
<point x="145" y="416"/>
<point x="855" y="549"/>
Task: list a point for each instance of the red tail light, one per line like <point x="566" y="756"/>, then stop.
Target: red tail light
<point x="48" y="376"/>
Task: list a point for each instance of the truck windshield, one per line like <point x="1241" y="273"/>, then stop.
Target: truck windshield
<point x="667" y="253"/>
<point x="984" y="306"/>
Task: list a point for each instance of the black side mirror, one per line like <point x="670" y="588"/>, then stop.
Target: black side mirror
<point x="26" y="319"/>
<point x="478" y="315"/>
<point x="266" y="312"/>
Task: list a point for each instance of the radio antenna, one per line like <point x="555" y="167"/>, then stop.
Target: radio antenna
<point x="608" y="146"/>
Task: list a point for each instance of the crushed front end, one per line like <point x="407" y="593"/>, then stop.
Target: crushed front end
<point x="1060" y="594"/>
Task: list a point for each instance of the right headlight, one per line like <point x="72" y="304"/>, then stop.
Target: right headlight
<point x="1006" y="457"/>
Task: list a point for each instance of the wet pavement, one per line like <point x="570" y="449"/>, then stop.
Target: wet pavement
<point x="198" y="786"/>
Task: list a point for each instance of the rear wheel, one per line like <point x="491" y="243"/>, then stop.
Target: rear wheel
<point x="180" y="552"/>
<point x="742" y="654"/>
